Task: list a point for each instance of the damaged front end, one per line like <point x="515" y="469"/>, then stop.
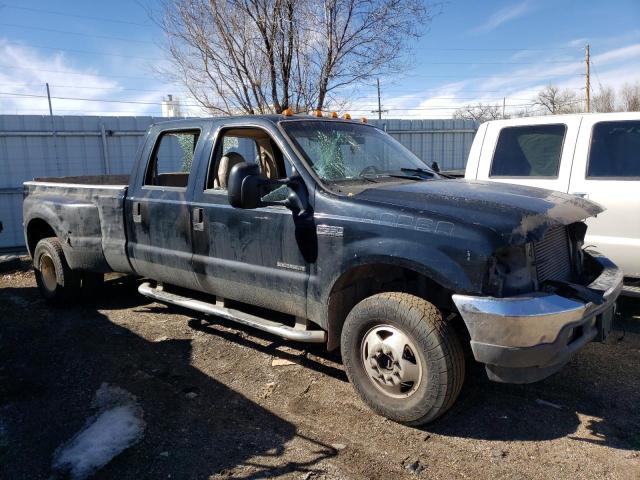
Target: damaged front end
<point x="545" y="299"/>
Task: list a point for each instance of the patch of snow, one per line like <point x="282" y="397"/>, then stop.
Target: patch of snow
<point x="118" y="425"/>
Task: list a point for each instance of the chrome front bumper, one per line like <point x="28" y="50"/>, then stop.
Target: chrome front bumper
<point x="526" y="338"/>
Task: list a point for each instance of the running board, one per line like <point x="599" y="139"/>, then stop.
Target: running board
<point x="285" y="331"/>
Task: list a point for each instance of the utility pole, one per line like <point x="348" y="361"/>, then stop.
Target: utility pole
<point x="588" y="86"/>
<point x="379" y="111"/>
<point x="504" y="104"/>
<point x="49" y="98"/>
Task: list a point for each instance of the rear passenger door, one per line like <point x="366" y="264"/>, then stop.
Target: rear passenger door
<point x="531" y="152"/>
<point x="158" y="215"/>
<point x="607" y="171"/>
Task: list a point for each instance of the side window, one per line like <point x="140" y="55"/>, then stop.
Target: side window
<point x="528" y="151"/>
<point x="170" y="163"/>
<point x="615" y="150"/>
<point x="244" y="145"/>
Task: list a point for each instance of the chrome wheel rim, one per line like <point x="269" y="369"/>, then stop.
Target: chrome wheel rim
<point x="48" y="273"/>
<point x="391" y="361"/>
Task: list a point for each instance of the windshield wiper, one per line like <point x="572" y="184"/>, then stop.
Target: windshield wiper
<point x="419" y="171"/>
<point x="368" y="178"/>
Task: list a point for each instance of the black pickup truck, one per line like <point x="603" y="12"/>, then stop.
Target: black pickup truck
<point x="328" y="230"/>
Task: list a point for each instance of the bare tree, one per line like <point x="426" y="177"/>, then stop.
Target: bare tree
<point x="260" y="56"/>
<point x="604" y="101"/>
<point x="630" y="94"/>
<point x="555" y="101"/>
<point x="479" y="112"/>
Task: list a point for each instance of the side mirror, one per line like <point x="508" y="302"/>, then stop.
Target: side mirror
<point x="247" y="186"/>
<point x="243" y="185"/>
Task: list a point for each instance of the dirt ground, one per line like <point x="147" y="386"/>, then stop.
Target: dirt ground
<point x="215" y="406"/>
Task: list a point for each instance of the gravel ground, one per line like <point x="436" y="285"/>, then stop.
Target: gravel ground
<point x="216" y="406"/>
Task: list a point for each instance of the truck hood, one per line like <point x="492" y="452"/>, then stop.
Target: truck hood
<point x="516" y="213"/>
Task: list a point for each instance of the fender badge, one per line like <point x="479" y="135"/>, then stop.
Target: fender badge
<point x="330" y="230"/>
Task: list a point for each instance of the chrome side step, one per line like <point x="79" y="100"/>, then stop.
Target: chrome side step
<point x="290" y="333"/>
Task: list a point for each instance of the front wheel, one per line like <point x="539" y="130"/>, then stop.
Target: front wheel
<point x="403" y="359"/>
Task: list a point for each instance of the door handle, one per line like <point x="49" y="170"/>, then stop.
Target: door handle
<point x="198" y="219"/>
<point x="580" y="194"/>
<point x="137" y="212"/>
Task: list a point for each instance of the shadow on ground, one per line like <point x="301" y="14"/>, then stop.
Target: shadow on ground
<point x="52" y="361"/>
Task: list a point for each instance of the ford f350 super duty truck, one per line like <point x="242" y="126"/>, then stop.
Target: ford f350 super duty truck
<point x="328" y="230"/>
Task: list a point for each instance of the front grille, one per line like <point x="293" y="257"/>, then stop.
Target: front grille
<point x="552" y="255"/>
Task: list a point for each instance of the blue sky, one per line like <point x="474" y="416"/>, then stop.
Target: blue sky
<point x="473" y="51"/>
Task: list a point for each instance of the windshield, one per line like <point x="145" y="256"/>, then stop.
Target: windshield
<point x="341" y="151"/>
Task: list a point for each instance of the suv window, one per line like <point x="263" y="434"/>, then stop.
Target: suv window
<point x="528" y="151"/>
<point x="615" y="150"/>
<point x="171" y="160"/>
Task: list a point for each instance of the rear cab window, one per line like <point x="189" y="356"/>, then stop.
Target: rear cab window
<point x="615" y="151"/>
<point x="530" y="151"/>
<point x="171" y="160"/>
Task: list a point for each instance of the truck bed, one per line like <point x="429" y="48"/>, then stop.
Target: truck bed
<point x="86" y="213"/>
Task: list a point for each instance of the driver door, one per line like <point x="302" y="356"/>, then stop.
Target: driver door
<point x="250" y="256"/>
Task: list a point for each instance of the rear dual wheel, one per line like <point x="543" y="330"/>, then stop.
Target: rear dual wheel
<point x="57" y="282"/>
<point x="403" y="359"/>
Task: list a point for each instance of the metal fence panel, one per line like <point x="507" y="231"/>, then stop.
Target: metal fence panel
<point x="38" y="146"/>
<point x="444" y="141"/>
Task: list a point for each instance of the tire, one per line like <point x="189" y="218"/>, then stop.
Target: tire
<point x="415" y="356"/>
<point x="58" y="284"/>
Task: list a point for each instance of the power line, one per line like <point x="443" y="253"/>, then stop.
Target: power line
<point x="513" y="49"/>
<point x="566" y="62"/>
<point x="84" y="52"/>
<point x="68" y="72"/>
<point x="65" y="14"/>
<point x="135" y="102"/>
<point x="497" y="76"/>
<point x="66" y="32"/>
<point x="83" y="87"/>
<point x="82" y="99"/>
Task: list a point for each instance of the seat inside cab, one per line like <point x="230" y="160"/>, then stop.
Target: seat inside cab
<point x="250" y="145"/>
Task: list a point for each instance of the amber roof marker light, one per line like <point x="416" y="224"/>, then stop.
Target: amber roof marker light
<point x="364" y="120"/>
<point x="287" y="112"/>
<point x="317" y="113"/>
<point x="334" y="114"/>
<point x="346" y="116"/>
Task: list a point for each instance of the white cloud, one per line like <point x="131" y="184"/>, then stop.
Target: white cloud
<point x="503" y="16"/>
<point x="24" y="71"/>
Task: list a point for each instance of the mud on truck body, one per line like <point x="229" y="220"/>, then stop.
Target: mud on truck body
<point x="328" y="230"/>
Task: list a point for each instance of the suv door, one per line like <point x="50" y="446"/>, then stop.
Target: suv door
<point x="529" y="151"/>
<point x="159" y="221"/>
<point x="607" y="171"/>
<point x="251" y="256"/>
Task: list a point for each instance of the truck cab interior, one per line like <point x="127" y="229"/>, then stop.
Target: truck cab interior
<point x="250" y="145"/>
